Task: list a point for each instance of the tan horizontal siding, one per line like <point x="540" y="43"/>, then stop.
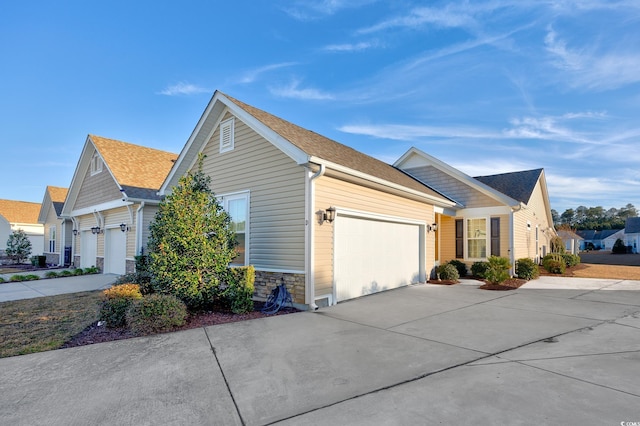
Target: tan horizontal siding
<point x="333" y="192"/>
<point x="97" y="189"/>
<point x="276" y="186"/>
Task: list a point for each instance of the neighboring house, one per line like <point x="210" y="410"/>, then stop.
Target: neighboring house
<point x="632" y="233"/>
<point x="572" y="241"/>
<point x="58" y="234"/>
<point x="23" y="215"/>
<point x="594" y="239"/>
<point x="610" y="240"/>
<point x="111" y="201"/>
<point x="333" y="223"/>
<point x="504" y="215"/>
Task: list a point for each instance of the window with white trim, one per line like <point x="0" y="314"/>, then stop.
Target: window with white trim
<point x="96" y="164"/>
<point x="227" y="135"/>
<point x="237" y="206"/>
<point x="477" y="238"/>
<point x="52" y="239"/>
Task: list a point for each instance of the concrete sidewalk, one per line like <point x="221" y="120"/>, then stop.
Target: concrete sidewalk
<point x="53" y="286"/>
<point x="558" y="350"/>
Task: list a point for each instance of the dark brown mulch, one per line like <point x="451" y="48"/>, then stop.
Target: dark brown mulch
<point x="510" y="284"/>
<point x="99" y="334"/>
<point x="569" y="272"/>
<point x="443" y="282"/>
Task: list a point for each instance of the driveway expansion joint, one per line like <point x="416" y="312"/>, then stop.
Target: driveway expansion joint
<point x="224" y="377"/>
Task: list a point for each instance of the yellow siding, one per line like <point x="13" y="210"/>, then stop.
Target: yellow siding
<point x="447" y="233"/>
<point x="333" y="192"/>
<point x="535" y="214"/>
<point x="277" y="196"/>
<point x="97" y="189"/>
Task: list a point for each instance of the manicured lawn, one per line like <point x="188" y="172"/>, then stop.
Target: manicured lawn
<point x="45" y="323"/>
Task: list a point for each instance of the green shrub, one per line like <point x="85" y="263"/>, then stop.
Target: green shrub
<point x="78" y="271"/>
<point x="498" y="270"/>
<point x="91" y="270"/>
<point x="555" y="266"/>
<point x="239" y="288"/>
<point x="619" y="247"/>
<point x="553" y="257"/>
<point x="51" y="274"/>
<point x="448" y="272"/>
<point x="117" y="300"/>
<point x="2" y="280"/>
<point x="31" y="277"/>
<point x="479" y="269"/>
<point x="156" y="313"/>
<point x="460" y="266"/>
<point x="16" y="278"/>
<point x="570" y="259"/>
<point x="527" y="269"/>
<point x="66" y="273"/>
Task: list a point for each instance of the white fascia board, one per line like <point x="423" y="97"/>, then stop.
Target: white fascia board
<point x="484" y="211"/>
<point x="346" y="170"/>
<point x="188" y="145"/>
<point x="78" y="176"/>
<point x="100" y="207"/>
<point x="455" y="173"/>
<point x="295" y="153"/>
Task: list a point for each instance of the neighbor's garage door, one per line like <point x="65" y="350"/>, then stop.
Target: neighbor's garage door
<point x="115" y="252"/>
<point x="88" y="249"/>
<point x="372" y="256"/>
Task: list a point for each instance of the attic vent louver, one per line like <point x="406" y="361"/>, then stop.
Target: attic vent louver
<point x="226" y="135"/>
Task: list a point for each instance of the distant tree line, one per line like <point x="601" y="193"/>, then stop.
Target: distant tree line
<point x="593" y="217"/>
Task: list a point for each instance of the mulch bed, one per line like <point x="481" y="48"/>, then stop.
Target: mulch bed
<point x="443" y="282"/>
<point x="510" y="284"/>
<point x="99" y="334"/>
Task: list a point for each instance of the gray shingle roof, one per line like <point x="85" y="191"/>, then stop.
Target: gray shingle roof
<point x="632" y="225"/>
<point x="517" y="185"/>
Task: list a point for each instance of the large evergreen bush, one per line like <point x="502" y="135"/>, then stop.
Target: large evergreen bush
<point x="191" y="243"/>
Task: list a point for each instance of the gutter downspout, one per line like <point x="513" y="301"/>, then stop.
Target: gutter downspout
<point x="512" y="237"/>
<point x="310" y="246"/>
<point x="139" y="228"/>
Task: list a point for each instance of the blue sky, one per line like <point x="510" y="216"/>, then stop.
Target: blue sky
<point x="488" y="87"/>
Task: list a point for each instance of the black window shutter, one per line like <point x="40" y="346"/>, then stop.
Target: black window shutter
<point x="459" y="239"/>
<point x="495" y="236"/>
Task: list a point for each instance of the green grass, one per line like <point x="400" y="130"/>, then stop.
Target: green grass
<point x="45" y="323"/>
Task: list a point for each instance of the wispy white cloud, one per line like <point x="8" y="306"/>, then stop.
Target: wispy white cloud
<point x="413" y="133"/>
<point x="447" y="17"/>
<point x="306" y="10"/>
<point x="252" y="75"/>
<point x="183" y="88"/>
<point x="293" y="90"/>
<point x="351" y="47"/>
<point x="593" y="68"/>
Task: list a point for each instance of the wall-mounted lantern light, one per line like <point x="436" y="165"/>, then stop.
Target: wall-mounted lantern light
<point x="329" y="215"/>
<point x="434" y="227"/>
<point x="124" y="227"/>
<point x="75" y="232"/>
<point x="95" y="230"/>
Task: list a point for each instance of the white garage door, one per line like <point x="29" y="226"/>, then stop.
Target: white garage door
<point x="115" y="252"/>
<point x="372" y="256"/>
<point x="88" y="249"/>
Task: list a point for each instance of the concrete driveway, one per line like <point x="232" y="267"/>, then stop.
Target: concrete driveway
<point x="558" y="350"/>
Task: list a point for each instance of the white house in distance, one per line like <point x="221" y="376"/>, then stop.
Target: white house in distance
<point x="23" y="215"/>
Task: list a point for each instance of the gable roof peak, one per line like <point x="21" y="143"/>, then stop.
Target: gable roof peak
<point x="517" y="185"/>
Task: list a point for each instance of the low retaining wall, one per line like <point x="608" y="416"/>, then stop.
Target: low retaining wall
<point x="267" y="281"/>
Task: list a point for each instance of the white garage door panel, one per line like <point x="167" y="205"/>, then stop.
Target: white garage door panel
<point x="372" y="256"/>
<point x="88" y="249"/>
<point x="115" y="256"/>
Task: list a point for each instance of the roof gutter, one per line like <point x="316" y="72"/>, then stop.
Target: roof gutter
<point x="355" y="173"/>
<point x="310" y="247"/>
